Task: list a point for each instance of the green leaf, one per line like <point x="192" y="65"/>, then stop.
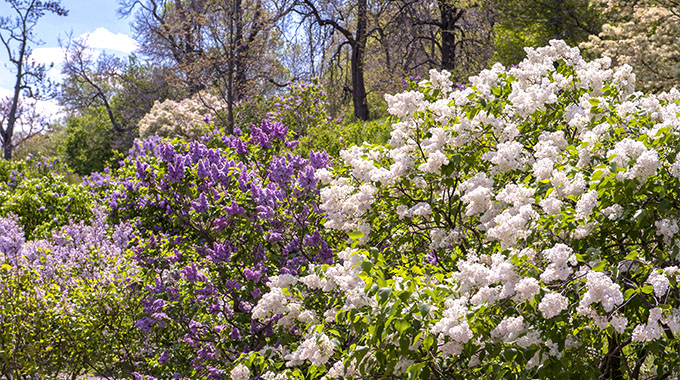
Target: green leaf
<point x="384" y="294"/>
<point x="356" y="235"/>
<point x="404" y="296"/>
<point x="599" y="267"/>
<point x="427" y="343"/>
<point x="628" y="293"/>
<point x="402" y="325"/>
<point x="632" y="255"/>
<point x="424" y="309"/>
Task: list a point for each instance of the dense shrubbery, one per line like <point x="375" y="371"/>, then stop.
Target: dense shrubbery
<point x="43" y="194"/>
<point x="522" y="227"/>
<point x="66" y="306"/>
<point x="87" y="143"/>
<point x="214" y="220"/>
<point x="304" y="110"/>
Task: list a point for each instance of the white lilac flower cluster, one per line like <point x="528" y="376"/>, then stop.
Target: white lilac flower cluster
<point x="317" y="348"/>
<point x="538" y="193"/>
<point x="186" y="118"/>
<point x="342" y="277"/>
<point x="644" y="40"/>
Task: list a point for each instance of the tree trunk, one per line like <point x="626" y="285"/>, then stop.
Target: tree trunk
<point x="610" y="365"/>
<point x="7" y="150"/>
<point x="357" y="63"/>
<point x="12" y="116"/>
<point x="449" y="17"/>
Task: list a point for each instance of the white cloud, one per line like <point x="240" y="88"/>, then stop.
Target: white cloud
<point x="104" y="39"/>
<point x="48" y="56"/>
<point x="98" y="41"/>
<point x="53" y="58"/>
<point x="5" y="92"/>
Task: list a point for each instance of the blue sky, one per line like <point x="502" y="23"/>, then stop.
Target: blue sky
<point x="95" y="19"/>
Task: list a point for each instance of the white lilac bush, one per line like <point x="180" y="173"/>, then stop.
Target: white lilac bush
<point x="645" y="37"/>
<point x="187" y="118"/>
<point x="523" y="227"/>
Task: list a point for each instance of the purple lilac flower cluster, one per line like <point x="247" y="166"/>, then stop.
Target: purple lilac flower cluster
<point x="65" y="296"/>
<point x="302" y="107"/>
<point x="214" y="219"/>
<point x="92" y="252"/>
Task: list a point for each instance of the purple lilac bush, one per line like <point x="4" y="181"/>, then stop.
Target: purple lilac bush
<point x="65" y="305"/>
<point x="214" y="219"/>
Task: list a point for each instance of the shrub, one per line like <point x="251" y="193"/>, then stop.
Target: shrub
<point x="65" y="308"/>
<point x="524" y="227"/>
<point x="334" y="136"/>
<point x="214" y="220"/>
<point x="87" y="144"/>
<point x="43" y="194"/>
<point x="188" y="118"/>
<point x="301" y="108"/>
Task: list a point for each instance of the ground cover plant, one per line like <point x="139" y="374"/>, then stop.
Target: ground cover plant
<point x="521" y="225"/>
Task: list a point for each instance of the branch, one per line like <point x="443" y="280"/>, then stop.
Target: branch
<point x="326" y="21"/>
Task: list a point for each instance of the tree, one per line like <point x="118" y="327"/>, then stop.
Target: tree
<point x="16" y="35"/>
<point x="352" y="23"/>
<point x="28" y="122"/>
<point x="91" y="82"/>
<point x="242" y="48"/>
<point x="170" y="32"/>
<point x="460" y="30"/>
<point x="125" y="89"/>
<point x="535" y="22"/>
<point x="227" y="46"/>
<point x="105" y="98"/>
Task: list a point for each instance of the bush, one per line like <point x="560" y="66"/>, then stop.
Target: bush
<point x="188" y="118"/>
<point x="302" y="108"/>
<point x="334" y="136"/>
<point x="43" y="194"/>
<point x="65" y="308"/>
<point x="521" y="228"/>
<point x="87" y="144"/>
<point x="214" y="220"/>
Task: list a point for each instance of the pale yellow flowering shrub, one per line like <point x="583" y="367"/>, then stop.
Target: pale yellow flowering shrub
<point x="186" y="118"/>
<point x="646" y="38"/>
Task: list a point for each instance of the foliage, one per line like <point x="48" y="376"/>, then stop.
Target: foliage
<point x="304" y="110"/>
<point x="334" y="135"/>
<point x="524" y="226"/>
<point x="214" y="219"/>
<point x="534" y="23"/>
<point x="64" y="305"/>
<point x="520" y="228"/>
<point x="87" y="143"/>
<point x="187" y="118"/>
<point x="43" y="144"/>
<point x="43" y="194"/>
<point x="302" y="107"/>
